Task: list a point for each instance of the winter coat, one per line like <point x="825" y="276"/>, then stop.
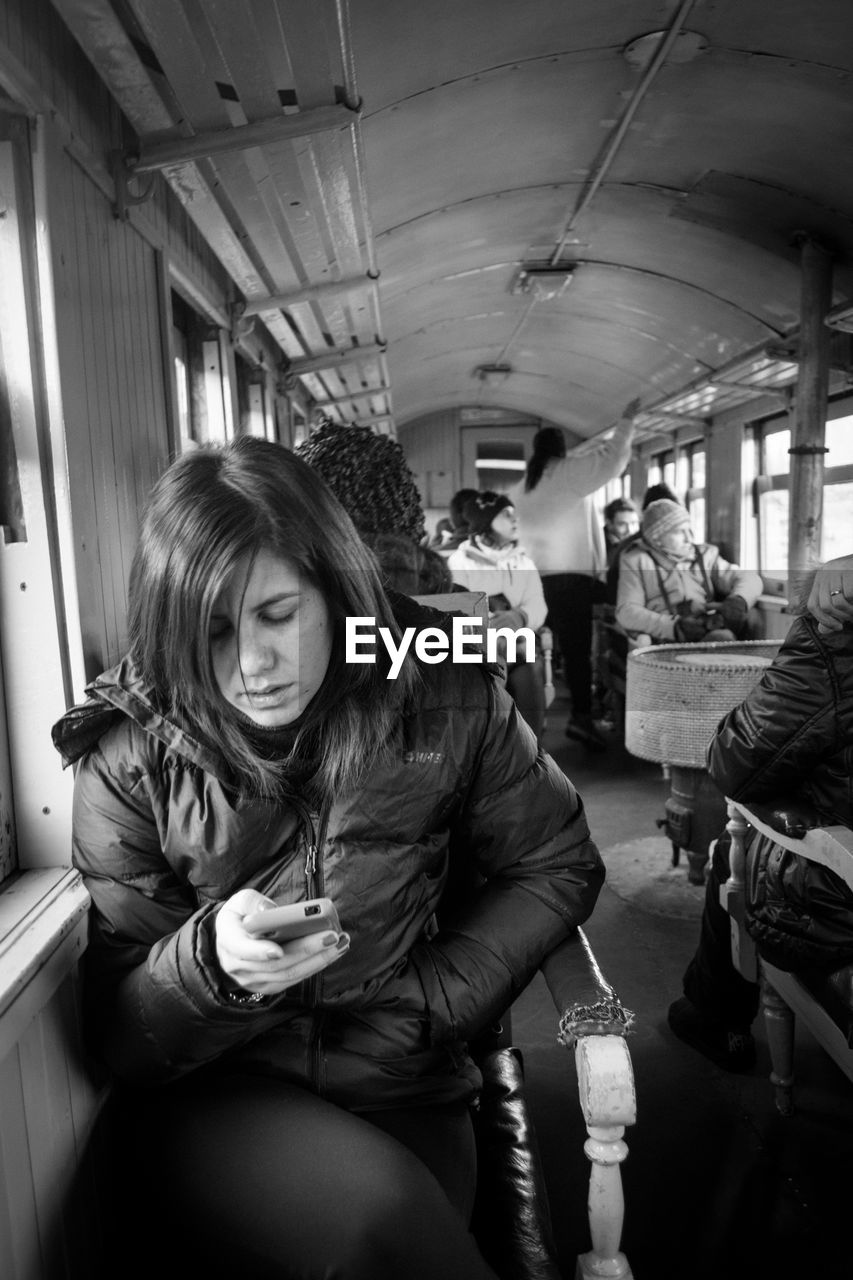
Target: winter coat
<point x="560" y="526"/>
<point x="507" y="572"/>
<point x="793" y="735"/>
<point x="161" y="841"/>
<point x="650" y="587"/>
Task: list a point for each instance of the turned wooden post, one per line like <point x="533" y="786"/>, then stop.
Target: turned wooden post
<point x="779" y="1022"/>
<point x="805" y="486"/>
<point x="608" y="1101"/>
<point x="733" y="897"/>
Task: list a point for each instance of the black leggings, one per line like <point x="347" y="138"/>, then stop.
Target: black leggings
<point x="255" y="1177"/>
<point x="569" y="597"/>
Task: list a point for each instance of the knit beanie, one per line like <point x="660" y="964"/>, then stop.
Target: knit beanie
<point x="369" y="476"/>
<point x="481" y="510"/>
<point x="661" y="518"/>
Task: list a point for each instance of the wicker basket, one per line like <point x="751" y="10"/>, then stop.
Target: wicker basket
<point x="678" y="693"/>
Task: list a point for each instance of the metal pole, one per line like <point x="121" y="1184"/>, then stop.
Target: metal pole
<point x="805" y="484"/>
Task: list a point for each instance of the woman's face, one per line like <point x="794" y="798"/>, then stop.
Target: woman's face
<point x="270" y="640"/>
<point x="505" y="526"/>
<point x="678" y="542"/>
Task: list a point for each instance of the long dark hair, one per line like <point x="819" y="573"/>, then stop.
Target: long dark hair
<point x="211" y="508"/>
<point x="548" y="443"/>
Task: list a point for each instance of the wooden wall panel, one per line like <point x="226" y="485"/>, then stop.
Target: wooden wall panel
<point x="49" y="1210"/>
<point x="113" y="386"/>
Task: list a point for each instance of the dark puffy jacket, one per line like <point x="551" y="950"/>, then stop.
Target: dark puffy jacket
<point x="161" y="841"/>
<point x="793" y="736"/>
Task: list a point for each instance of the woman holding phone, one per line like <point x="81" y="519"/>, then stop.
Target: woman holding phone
<point x="300" y="1107"/>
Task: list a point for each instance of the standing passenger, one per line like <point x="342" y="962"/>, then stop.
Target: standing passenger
<point x="561" y="530"/>
<point x="301" y="1107"/>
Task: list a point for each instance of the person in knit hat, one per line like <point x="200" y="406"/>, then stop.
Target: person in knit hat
<point x="491" y="560"/>
<point x="674" y="589"/>
<point x="371" y="479"/>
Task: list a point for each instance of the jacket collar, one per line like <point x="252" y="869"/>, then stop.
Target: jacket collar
<point x="122" y="692"/>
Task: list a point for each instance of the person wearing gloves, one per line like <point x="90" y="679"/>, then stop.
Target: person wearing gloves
<point x="562" y="532"/>
<point x="300" y="1106"/>
<point x="673" y="590"/>
<point x="490" y="560"/>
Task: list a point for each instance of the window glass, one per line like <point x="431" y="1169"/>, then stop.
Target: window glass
<point x="773" y="533"/>
<point x="837" y="520"/>
<point x="839" y="442"/>
<point x="696" y="507"/>
<point x="777" y="461"/>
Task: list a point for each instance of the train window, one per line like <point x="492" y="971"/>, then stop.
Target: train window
<point x="298" y="424"/>
<point x="838" y="488"/>
<point x="773" y="464"/>
<point x="253" y="401"/>
<point x="201" y="380"/>
<point x="690" y="482"/>
<point x="683" y="469"/>
<point x="662" y="468"/>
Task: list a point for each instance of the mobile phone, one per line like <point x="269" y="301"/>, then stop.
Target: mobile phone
<point x="289" y="920"/>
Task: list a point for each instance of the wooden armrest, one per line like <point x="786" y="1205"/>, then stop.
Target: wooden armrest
<point x="790" y="818"/>
<point x="832" y="847"/>
<point x="587" y="1003"/>
<point x="594" y="1023"/>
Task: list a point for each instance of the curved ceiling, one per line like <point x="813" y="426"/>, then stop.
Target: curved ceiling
<point x="487" y="124"/>
<point x="551" y="206"/>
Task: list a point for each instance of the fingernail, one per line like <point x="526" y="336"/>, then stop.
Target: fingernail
<point x="343" y="942"/>
<point x="329" y="939"/>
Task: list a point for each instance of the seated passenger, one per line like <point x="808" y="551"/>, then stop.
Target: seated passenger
<point x="491" y="560"/>
<point x="672" y="589"/>
<point x="300" y="1107"/>
<point x="371" y="479"/>
<point x="620" y="522"/>
<point x="614" y="555"/>
<point x="451" y="533"/>
<point x="790" y="739"/>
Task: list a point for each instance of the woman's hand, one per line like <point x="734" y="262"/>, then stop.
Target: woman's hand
<point x="830" y="601"/>
<point x="259" y="965"/>
<point x="631" y="409"/>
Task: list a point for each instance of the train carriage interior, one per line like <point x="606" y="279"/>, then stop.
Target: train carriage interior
<point x="452" y="223"/>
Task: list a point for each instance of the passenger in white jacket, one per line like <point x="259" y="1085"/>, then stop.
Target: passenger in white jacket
<point x="490" y="560"/>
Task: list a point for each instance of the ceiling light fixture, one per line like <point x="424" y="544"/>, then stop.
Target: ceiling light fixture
<point x="493" y="372"/>
<point x="542" y="282"/>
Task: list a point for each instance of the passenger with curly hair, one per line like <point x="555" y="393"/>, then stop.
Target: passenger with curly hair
<point x="371" y="479"/>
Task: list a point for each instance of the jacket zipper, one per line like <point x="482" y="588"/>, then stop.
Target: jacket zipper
<point x="314" y="886"/>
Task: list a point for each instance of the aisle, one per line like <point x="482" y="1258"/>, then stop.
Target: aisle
<point x="717" y="1184"/>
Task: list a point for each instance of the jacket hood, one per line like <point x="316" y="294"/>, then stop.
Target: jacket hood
<point x="492" y="557"/>
<point x="121" y="691"/>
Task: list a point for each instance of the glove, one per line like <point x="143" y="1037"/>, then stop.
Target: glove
<point x="690" y="630"/>
<point x="733" y="611"/>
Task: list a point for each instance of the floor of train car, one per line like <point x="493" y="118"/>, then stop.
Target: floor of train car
<point x="717" y="1184"/>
